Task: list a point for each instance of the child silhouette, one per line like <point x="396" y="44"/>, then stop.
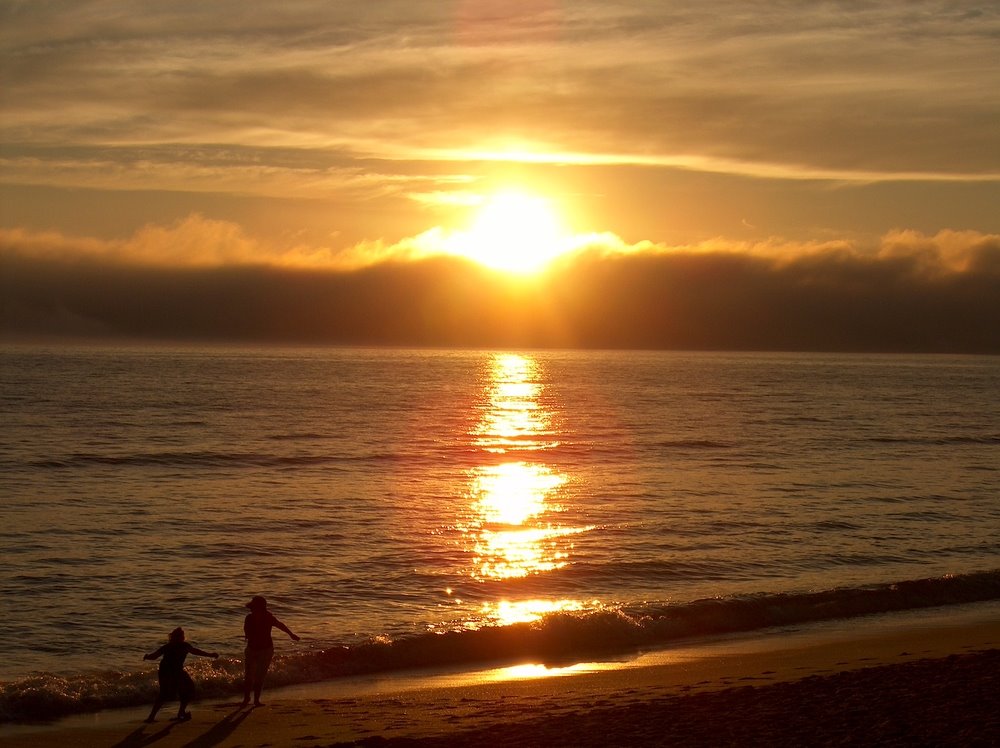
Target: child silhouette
<point x="174" y="680"/>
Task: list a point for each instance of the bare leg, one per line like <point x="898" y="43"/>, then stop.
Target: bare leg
<point x="257" y="688"/>
<point x="185" y="692"/>
<point x="156" y="707"/>
<point x="260" y="674"/>
<point x="247" y="678"/>
<point x="256" y="669"/>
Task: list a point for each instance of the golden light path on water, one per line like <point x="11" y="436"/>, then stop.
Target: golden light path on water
<point x="513" y="527"/>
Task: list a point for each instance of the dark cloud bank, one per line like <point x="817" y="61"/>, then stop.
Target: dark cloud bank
<point x="832" y="301"/>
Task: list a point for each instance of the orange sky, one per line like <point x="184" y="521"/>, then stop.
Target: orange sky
<point x="324" y="138"/>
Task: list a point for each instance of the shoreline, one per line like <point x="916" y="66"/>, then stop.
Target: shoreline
<point x="745" y="686"/>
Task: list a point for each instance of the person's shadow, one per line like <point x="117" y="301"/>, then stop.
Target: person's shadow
<point x="139" y="738"/>
<point x="220" y="731"/>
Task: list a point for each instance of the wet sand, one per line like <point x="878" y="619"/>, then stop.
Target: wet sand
<point x="917" y="686"/>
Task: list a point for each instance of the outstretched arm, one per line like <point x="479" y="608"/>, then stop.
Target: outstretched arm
<point x="154" y="655"/>
<point x="285" y="628"/>
<point x="203" y="653"/>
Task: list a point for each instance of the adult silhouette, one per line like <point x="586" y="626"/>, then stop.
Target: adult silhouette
<point x="260" y="647"/>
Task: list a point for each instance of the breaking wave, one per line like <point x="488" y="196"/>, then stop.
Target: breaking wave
<point x="559" y="637"/>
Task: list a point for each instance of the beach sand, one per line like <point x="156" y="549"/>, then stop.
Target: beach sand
<point x="920" y="684"/>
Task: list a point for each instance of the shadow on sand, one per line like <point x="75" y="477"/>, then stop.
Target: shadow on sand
<point x="225" y="727"/>
<point x="221" y="730"/>
<point x="139" y="737"/>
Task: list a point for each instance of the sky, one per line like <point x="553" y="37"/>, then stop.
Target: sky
<point x="729" y="174"/>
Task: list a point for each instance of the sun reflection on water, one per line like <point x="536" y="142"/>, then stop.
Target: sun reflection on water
<point x="512" y="526"/>
<point x="532" y="671"/>
<point x="513" y="492"/>
<point x="507" y="612"/>
<point x="512" y="418"/>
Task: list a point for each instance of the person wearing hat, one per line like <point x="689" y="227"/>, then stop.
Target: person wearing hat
<point x="260" y="647"/>
<point x="174" y="680"/>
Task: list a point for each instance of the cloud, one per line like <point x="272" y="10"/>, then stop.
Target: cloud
<point x="913" y="292"/>
<point x="751" y="88"/>
<point x="193" y="242"/>
<point x="285" y="174"/>
<point x="946" y="252"/>
<point x="307" y="123"/>
<point x="199" y="242"/>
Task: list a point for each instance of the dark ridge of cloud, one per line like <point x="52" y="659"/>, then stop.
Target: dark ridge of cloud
<point x="828" y="301"/>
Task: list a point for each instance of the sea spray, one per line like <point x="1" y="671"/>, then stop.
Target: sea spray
<point x="557" y="638"/>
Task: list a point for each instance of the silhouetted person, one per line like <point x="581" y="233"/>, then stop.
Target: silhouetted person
<point x="174" y="680"/>
<point x="260" y="647"/>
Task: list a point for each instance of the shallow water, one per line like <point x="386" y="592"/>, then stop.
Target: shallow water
<point x="392" y="493"/>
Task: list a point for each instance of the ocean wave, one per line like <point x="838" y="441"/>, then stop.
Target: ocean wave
<point x="938" y="440"/>
<point x="202" y="459"/>
<point x="558" y="637"/>
<point x="693" y="444"/>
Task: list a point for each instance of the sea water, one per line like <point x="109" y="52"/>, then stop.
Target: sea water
<point x="403" y="508"/>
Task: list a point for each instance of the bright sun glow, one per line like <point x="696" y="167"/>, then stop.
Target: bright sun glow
<point x="506" y="612"/>
<point x="515" y="232"/>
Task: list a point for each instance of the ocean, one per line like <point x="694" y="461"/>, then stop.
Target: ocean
<point x="437" y="508"/>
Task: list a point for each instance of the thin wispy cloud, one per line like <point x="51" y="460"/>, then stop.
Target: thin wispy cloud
<point x="829" y="90"/>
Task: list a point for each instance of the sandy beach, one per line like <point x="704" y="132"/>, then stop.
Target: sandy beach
<point x="860" y="684"/>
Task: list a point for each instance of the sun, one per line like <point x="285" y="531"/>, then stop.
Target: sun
<point x="515" y="232"/>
